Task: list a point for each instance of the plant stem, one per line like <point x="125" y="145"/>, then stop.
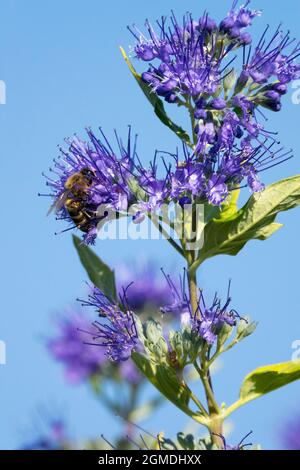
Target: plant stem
<point x="215" y="422"/>
<point x="192" y="117"/>
<point x="199" y="404"/>
<point x="193" y="291"/>
<point x="165" y="234"/>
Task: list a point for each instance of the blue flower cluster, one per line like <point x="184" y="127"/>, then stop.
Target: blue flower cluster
<point x="191" y="64"/>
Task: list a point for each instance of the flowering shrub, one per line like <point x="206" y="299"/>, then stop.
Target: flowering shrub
<point x="190" y="63"/>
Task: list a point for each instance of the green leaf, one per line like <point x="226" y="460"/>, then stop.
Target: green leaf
<point x="264" y="380"/>
<point x="164" y="378"/>
<point x="256" y="220"/>
<point x="229" y="209"/>
<point x="99" y="273"/>
<point x="157" y="103"/>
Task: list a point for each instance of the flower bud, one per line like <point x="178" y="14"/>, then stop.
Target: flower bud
<point x="200" y="114"/>
<point x="207" y="24"/>
<point x="235" y="32"/>
<point x="227" y="24"/>
<point x="171" y="98"/>
<point x="184" y="201"/>
<point x="243" y="19"/>
<point x="218" y="103"/>
<point x="281" y="88"/>
<point x="272" y="95"/>
<point x="145" y="52"/>
<point x="246" y="38"/>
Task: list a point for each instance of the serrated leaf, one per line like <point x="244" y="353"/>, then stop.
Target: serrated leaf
<point x="265" y="380"/>
<point x="157" y="103"/>
<point x="254" y="221"/>
<point x="99" y="273"/>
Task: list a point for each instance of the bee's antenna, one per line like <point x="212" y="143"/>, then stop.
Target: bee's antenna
<point x="66" y="230"/>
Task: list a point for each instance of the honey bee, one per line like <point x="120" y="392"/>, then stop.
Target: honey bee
<point x="74" y="199"/>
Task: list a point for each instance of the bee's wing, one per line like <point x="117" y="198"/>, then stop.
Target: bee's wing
<point x="58" y="203"/>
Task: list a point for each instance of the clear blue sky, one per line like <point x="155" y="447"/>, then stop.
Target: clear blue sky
<point x="63" y="71"/>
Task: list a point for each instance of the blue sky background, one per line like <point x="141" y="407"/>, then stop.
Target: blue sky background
<point x="63" y="71"/>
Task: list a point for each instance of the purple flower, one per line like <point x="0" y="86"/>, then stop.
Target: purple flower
<point x="271" y="61"/>
<point x="189" y="54"/>
<point x="179" y="304"/>
<point x="218" y="103"/>
<point x="207" y="24"/>
<point x="88" y="177"/>
<point x="217" y="190"/>
<point x="68" y="347"/>
<point x="237" y="20"/>
<point x="291" y="435"/>
<point x="129" y="373"/>
<point x="206" y="132"/>
<point x="206" y="321"/>
<point x="190" y="66"/>
<point x="185" y="66"/>
<point x="196" y="64"/>
<point x="117" y="333"/>
<point x="211" y="177"/>
<point x="146" y="290"/>
<point x="188" y="179"/>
